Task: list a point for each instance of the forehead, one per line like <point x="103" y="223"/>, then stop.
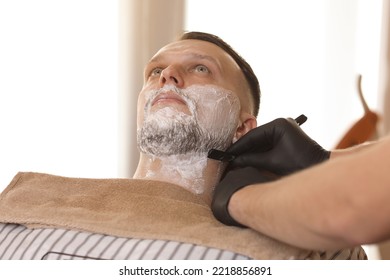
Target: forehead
<point x="195" y="48"/>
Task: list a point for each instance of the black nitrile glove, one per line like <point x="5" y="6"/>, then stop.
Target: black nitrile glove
<point x="232" y="181"/>
<point x="280" y="146"/>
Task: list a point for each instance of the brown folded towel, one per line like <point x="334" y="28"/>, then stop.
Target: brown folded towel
<point x="130" y="208"/>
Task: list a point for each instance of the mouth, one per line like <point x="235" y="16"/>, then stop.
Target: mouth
<point x="167" y="97"/>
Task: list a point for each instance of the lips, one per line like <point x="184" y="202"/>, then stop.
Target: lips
<point x="168" y="97"/>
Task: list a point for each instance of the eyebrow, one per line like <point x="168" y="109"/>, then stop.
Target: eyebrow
<point x="192" y="55"/>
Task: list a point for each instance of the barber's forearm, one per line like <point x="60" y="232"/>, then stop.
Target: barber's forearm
<point x="349" y="151"/>
<point x="339" y="203"/>
<point x="262" y="208"/>
<point x="331" y="205"/>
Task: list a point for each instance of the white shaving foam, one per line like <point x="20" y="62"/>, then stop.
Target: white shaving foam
<point x="212" y="109"/>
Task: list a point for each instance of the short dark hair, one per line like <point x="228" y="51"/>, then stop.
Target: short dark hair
<point x="244" y="66"/>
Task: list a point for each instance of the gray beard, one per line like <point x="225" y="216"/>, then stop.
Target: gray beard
<point x="174" y="138"/>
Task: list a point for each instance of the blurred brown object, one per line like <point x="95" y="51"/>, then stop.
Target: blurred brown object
<point x="364" y="129"/>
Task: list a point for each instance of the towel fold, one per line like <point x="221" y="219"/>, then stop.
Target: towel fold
<point x="131" y="208"/>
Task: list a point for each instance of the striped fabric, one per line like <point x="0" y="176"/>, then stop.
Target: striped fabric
<point x="19" y="242"/>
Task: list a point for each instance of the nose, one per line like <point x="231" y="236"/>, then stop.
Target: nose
<point x="171" y="75"/>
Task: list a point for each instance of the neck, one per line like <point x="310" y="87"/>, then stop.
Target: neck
<point x="193" y="171"/>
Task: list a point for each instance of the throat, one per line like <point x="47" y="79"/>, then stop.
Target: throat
<point x="192" y="171"/>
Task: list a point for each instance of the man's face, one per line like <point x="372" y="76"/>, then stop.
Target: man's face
<point x="191" y="99"/>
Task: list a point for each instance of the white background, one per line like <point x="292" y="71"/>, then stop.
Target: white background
<point x="58" y="87"/>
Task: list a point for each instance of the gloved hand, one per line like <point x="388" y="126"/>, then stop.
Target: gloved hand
<point x="232" y="181"/>
<point x="280" y="146"/>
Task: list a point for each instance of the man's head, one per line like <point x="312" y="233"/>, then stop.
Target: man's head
<point x="198" y="94"/>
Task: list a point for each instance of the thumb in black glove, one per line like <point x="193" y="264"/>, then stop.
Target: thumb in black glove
<point x="232" y="181"/>
<point x="280" y="146"/>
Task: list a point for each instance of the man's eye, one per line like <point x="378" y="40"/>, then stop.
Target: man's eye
<point x="202" y="69"/>
<point x="156" y="72"/>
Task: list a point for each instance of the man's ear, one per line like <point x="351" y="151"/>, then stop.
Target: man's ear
<point x="247" y="123"/>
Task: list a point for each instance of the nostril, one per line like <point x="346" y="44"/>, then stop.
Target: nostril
<point x="175" y="80"/>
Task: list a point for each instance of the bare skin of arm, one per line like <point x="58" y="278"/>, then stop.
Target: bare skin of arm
<point x="340" y="203"/>
<point x="350" y="151"/>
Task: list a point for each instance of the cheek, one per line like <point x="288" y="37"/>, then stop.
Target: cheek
<point x="140" y="108"/>
<point x="216" y="107"/>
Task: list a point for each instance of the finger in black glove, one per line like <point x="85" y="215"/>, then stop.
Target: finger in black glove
<point x="280" y="146"/>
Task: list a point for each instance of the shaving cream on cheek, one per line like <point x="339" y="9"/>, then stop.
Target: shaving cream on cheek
<point x="208" y="121"/>
<point x="217" y="108"/>
<point x="217" y="112"/>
